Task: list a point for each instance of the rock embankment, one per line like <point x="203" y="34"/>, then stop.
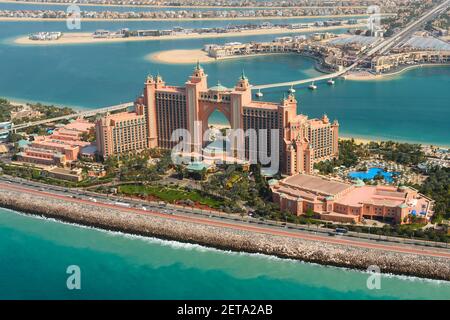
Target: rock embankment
<point x="226" y="238"/>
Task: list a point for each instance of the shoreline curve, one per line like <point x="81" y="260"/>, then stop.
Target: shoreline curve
<point x="226" y="238"/>
<point x="87" y="38"/>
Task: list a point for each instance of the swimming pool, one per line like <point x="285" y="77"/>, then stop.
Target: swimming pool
<point x="371" y="173"/>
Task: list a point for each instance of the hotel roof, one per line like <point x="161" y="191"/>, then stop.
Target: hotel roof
<point x="363" y="40"/>
<point x="219" y="87"/>
<point x="53" y="143"/>
<point x="379" y="195"/>
<point x="171" y="89"/>
<point x="79" y="125"/>
<point x="426" y="43"/>
<point x="123" y="116"/>
<point x="262" y="104"/>
<point x="317" y="184"/>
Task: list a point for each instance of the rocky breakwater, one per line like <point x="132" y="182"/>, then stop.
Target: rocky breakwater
<point x="227" y="238"/>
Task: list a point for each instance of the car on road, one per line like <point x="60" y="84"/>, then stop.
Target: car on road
<point x="340" y="231"/>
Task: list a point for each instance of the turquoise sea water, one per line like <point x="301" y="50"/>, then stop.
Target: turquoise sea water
<point x="413" y="106"/>
<point x="36" y="253"/>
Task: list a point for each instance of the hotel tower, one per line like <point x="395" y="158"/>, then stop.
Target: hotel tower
<point x="163" y="108"/>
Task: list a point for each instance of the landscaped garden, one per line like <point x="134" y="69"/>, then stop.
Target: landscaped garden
<point x="170" y="194"/>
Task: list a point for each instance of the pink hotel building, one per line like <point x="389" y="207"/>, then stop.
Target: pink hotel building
<point x="163" y="108"/>
<point x="343" y="202"/>
<point x="61" y="147"/>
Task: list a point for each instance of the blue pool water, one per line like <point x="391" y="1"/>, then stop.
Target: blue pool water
<point x="371" y="173"/>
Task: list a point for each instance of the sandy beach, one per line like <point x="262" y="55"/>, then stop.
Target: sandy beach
<point x="364" y="76"/>
<point x="367" y="76"/>
<point x="366" y="140"/>
<point x="14" y="19"/>
<point x="180" y="56"/>
<point x="361" y="140"/>
<point x="86" y="37"/>
<point x="193" y="56"/>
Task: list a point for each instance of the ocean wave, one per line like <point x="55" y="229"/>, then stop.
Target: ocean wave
<point x="200" y="248"/>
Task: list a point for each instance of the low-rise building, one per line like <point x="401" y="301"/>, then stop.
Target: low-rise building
<point x="340" y="201"/>
<point x="59" y="148"/>
<point x="41" y="156"/>
<point x="74" y="175"/>
<point x="4" y="130"/>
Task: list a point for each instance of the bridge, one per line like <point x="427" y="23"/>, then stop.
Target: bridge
<point x="297" y="82"/>
<point x="80" y="114"/>
<point x="379" y="47"/>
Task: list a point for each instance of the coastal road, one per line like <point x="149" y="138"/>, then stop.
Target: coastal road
<point x="236" y="225"/>
<point x="385" y="45"/>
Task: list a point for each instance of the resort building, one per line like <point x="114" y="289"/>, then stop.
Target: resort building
<point x="122" y="132"/>
<point x="41" y="156"/>
<point x="74" y="175"/>
<point x="4" y="130"/>
<point x="59" y="148"/>
<point x="343" y="202"/>
<point x="73" y="131"/>
<point x="381" y="64"/>
<point x="162" y="109"/>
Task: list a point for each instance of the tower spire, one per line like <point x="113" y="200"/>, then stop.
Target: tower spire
<point x="198" y="66"/>
<point x="243" y="77"/>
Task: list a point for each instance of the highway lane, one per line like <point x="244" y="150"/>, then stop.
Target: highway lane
<point x="168" y="208"/>
<point x="378" y="47"/>
<point x="236" y="225"/>
<point x="85" y="113"/>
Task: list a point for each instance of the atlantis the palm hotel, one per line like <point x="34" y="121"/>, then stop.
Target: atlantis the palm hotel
<point x="163" y="108"/>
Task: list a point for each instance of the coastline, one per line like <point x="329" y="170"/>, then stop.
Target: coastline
<point x="225" y="238"/>
<point x="165" y="6"/>
<point x="18" y="101"/>
<point x="193" y="56"/>
<point x="14" y="19"/>
<point x="365" y="140"/>
<point x="86" y="37"/>
<point x="366" y="76"/>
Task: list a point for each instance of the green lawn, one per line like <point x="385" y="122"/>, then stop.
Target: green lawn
<point x="170" y="194"/>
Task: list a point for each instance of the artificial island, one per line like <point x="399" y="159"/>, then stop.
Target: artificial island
<point x="328" y="200"/>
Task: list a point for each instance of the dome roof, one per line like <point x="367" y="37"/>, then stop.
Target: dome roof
<point x="219" y="87"/>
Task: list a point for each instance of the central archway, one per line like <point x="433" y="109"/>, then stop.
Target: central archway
<point x="214" y="111"/>
<point x="215" y="142"/>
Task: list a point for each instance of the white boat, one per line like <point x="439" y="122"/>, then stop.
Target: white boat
<point x="291" y="90"/>
<point x="259" y="94"/>
<point x="330" y="82"/>
<point x="312" y="86"/>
